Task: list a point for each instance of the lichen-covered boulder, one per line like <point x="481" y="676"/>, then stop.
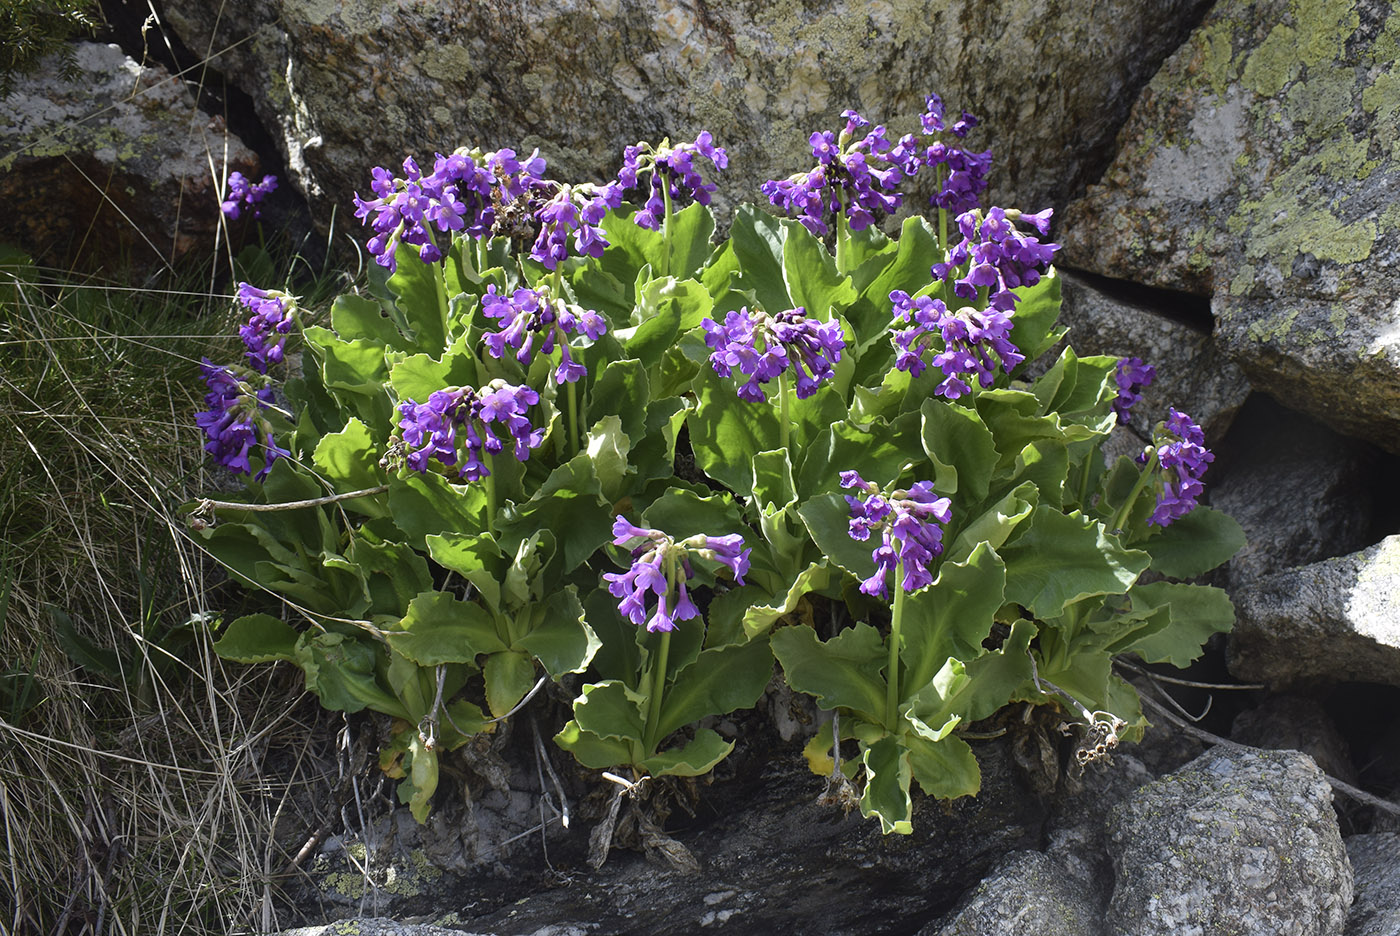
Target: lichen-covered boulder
<point x="1028" y="894"/>
<point x="115" y="163"/>
<point x="1332" y="621"/>
<point x="1259" y="167"/>
<point x="356" y="83"/>
<point x="1375" y="860"/>
<point x="1237" y="841"/>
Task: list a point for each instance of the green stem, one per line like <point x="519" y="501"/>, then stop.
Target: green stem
<point x="440" y="283"/>
<point x="573" y="418"/>
<point x="666" y="232"/>
<point x="658" y="687"/>
<point x="892" y="669"/>
<point x="490" y="481"/>
<point x="1142" y="482"/>
<point x="843" y="237"/>
<point x="784" y="420"/>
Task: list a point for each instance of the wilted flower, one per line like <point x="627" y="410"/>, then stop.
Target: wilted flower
<point x="242" y="192"/>
<point x="908" y="523"/>
<point x="431" y="429"/>
<point x="973" y="342"/>
<point x="233" y="422"/>
<point x="762" y="346"/>
<point x="662" y="566"/>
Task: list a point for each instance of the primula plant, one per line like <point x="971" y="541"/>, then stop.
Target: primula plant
<point x="561" y="434"/>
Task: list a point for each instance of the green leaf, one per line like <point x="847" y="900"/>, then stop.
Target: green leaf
<point x="810" y="274"/>
<point x="696" y="758"/>
<point x="620" y="389"/>
<point x="349" y="459"/>
<point x="439" y="629"/>
<point x="727" y="432"/>
<point x="843" y="671"/>
<point x="886" y="795"/>
<point x="720" y="681"/>
<point x="691" y="230"/>
<point x="1011" y="415"/>
<point x="423" y="504"/>
<point x="570" y="503"/>
<point x="759" y="618"/>
<point x="1062" y="559"/>
<point x="355" y="317"/>
<point x="879" y="451"/>
<point x="908" y="271"/>
<point x="757" y="238"/>
<point x="946" y="769"/>
<point x="414" y="285"/>
<point x="559" y="636"/>
<point x="392" y="573"/>
<point x="661" y="321"/>
<point x="417" y="789"/>
<point x="951" y="617"/>
<point x="357" y="366"/>
<point x="618" y="656"/>
<point x="592" y="751"/>
<point x="418" y="377"/>
<point x="772" y="483"/>
<point x="474" y="556"/>
<point x="828" y="519"/>
<point x="1194" y="544"/>
<point x="609" y="709"/>
<point x="1044" y="463"/>
<point x="342" y="672"/>
<point x="509" y="675"/>
<point x="1197" y="612"/>
<point x="607" y="446"/>
<point x="683" y="513"/>
<point x="961" y="448"/>
<point x="967" y="692"/>
<point x="257" y="638"/>
<point x="1033" y="328"/>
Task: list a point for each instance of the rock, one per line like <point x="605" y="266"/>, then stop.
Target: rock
<point x="1028" y="894"/>
<point x="1331" y="621"/>
<point x="1192" y="374"/>
<point x="1301" y="491"/>
<point x="1375" y="860"/>
<point x="116" y="162"/>
<point x="349" y="85"/>
<point x="1238" y="841"/>
<point x="1296" y="723"/>
<point x="377" y="926"/>
<point x="1260" y="167"/>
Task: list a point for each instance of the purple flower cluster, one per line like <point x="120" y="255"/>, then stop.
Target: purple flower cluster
<point x="999" y="256"/>
<point x="1183" y="456"/>
<point x="233" y="421"/>
<point x="430" y="429"/>
<point x="242" y="192"/>
<point x="973" y="341"/>
<point x="859" y="175"/>
<point x="762" y="346"/>
<point x="662" y="566"/>
<point x="265" y="334"/>
<point x="1131" y="376"/>
<point x="484" y="195"/>
<point x="908" y="523"/>
<point x="527" y="313"/>
<point x="672" y="169"/>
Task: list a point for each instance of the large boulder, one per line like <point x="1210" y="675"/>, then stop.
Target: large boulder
<point x="1259" y="167"/>
<point x="353" y="84"/>
<point x="1375" y="860"/>
<point x="113" y="161"/>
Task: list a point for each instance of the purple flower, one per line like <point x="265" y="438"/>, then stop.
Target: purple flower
<point x="242" y="192"/>
<point x="528" y="314"/>
<point x="265" y="334"/>
<point x="909" y="526"/>
<point x="996" y="255"/>
<point x="672" y="170"/>
<point x="1131" y="376"/>
<point x="1183" y="457"/>
<point x="788" y="340"/>
<point x="662" y="567"/>
<point x="973" y="342"/>
<point x="233" y="423"/>
<point x="431" y="430"/>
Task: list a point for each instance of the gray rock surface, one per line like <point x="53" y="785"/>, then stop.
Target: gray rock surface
<point x="1375" y="860"/>
<point x="352" y="84"/>
<point x="1237" y="841"/>
<point x="1296" y="723"/>
<point x="1259" y="167"/>
<point x="1331" y="621"/>
<point x="1028" y="894"/>
<point x="117" y="161"/>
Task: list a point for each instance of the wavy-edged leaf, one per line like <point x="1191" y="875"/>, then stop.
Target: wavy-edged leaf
<point x="1060" y="559"/>
<point x="886" y="795"/>
<point x="593" y="751"/>
<point x="961" y="448"/>
<point x="695" y="758"/>
<point x="1195" y="543"/>
<point x="951" y="617"/>
<point x="257" y="638"/>
<point x="720" y="681"/>
<point x="609" y="709"/>
<point x="439" y="628"/>
<point x="843" y="671"/>
<point x="946" y="769"/>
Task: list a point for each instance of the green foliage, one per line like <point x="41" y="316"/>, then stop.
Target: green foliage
<point x="33" y="29"/>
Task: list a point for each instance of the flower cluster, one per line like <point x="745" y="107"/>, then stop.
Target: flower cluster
<point x="242" y="192"/>
<point x="973" y="342"/>
<point x="673" y="172"/>
<point x="265" y="334"/>
<point x="430" y="429"/>
<point x="662" y="566"/>
<point x="763" y="346"/>
<point x="964" y="173"/>
<point x="573" y="210"/>
<point x="233" y="421"/>
<point x="1131" y="376"/>
<point x="1183" y="457"/>
<point x="908" y="522"/>
<point x="999" y="256"/>
<point x="527" y="313"/>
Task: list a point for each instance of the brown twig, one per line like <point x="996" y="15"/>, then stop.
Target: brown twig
<point x="207" y="505"/>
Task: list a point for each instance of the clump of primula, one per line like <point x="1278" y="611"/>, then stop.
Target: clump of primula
<point x="575" y="210"/>
<point x="999" y="256"/>
<point x="973" y="341"/>
<point x="1131" y="376"/>
<point x="1179" y="449"/>
<point x="964" y="173"/>
<point x="673" y="172"/>
<point x="530" y="313"/>
<point x="908" y="524"/>
<point x="430" y="430"/>
<point x="233" y="423"/>
<point x="662" y="566"/>
<point x="265" y="334"/>
<point x="242" y="192"/>
<point x="763" y="346"/>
